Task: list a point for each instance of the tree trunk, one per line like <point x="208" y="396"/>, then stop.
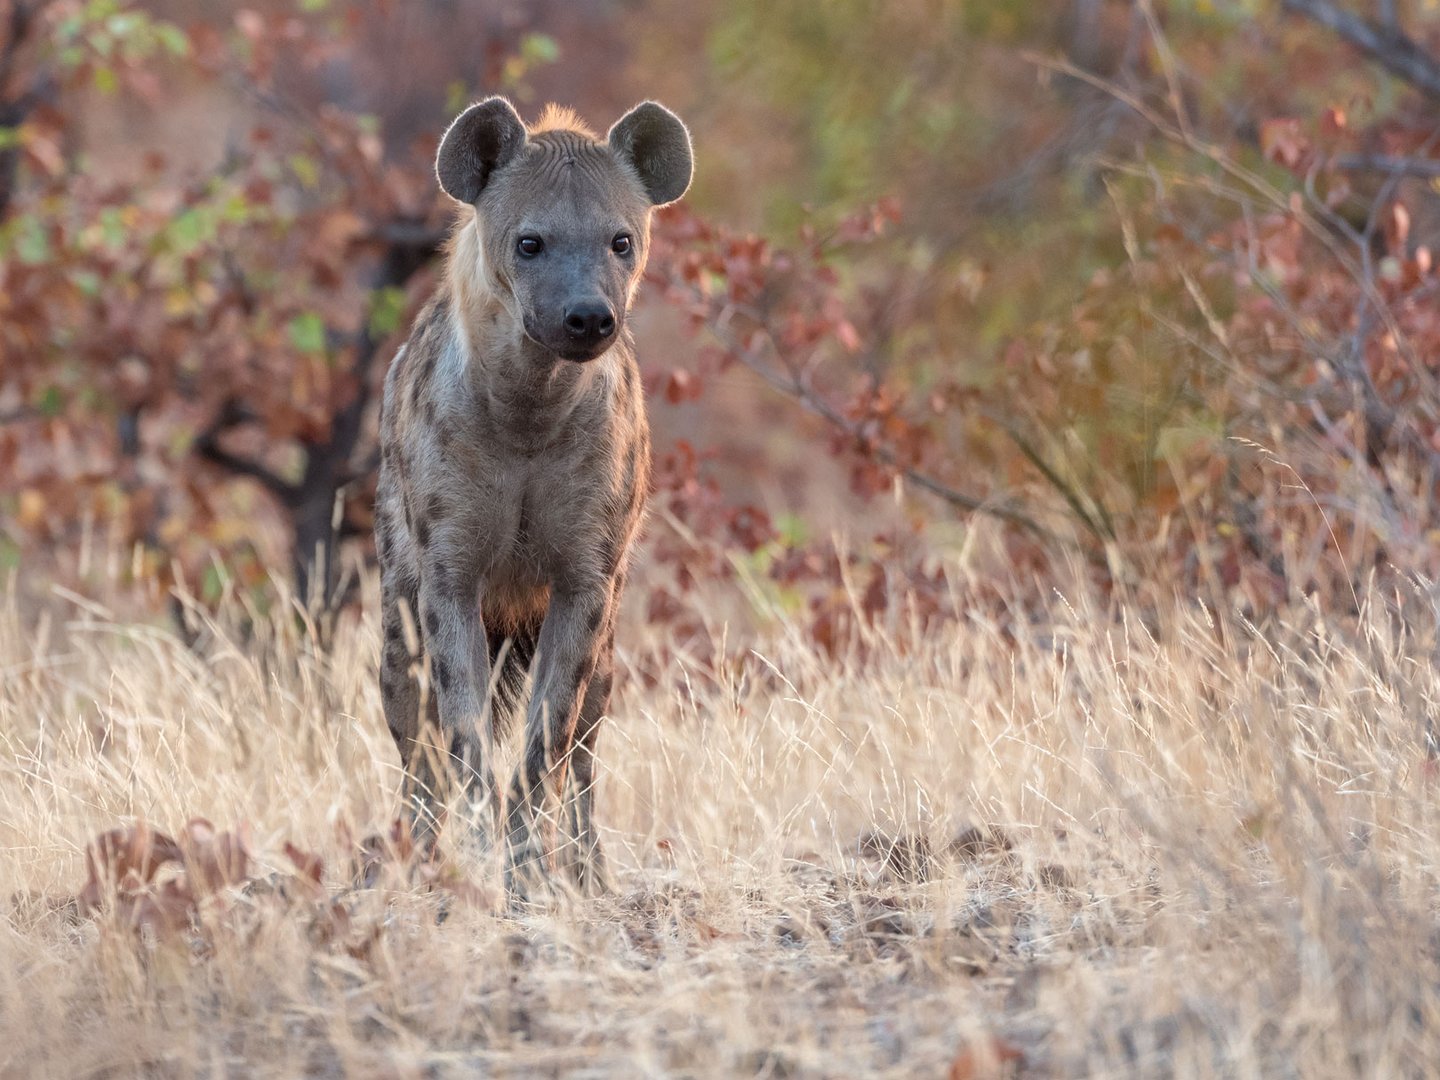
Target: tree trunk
<point x="315" y="546"/>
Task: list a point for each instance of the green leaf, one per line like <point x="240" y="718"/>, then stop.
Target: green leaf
<point x="305" y="170"/>
<point x="69" y="28"/>
<point x="792" y="530"/>
<point x="87" y="282"/>
<point x="307" y="332"/>
<point x="190" y="229"/>
<point x="387" y="306"/>
<point x="9" y="554"/>
<point x="457" y="96"/>
<point x="235" y="210"/>
<point x="539" y="49"/>
<point x="125" y="23"/>
<point x="32" y="244"/>
<point x="212" y="583"/>
<point x="50" y="402"/>
<point x="172" y="39"/>
<point x="105" y="81"/>
<point x="112" y="227"/>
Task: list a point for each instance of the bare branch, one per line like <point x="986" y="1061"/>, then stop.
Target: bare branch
<point x="15" y="109"/>
<point x="1104" y="529"/>
<point x="217" y="455"/>
<point x="1423" y="168"/>
<point x="410" y="235"/>
<point x="207" y="445"/>
<point x="17" y="34"/>
<point x="1385" y="42"/>
<point x="815" y="404"/>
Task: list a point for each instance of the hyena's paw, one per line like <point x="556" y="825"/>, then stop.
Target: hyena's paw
<point x="529" y="885"/>
<point x="475" y="839"/>
<point x="418" y="831"/>
<point x="584" y="869"/>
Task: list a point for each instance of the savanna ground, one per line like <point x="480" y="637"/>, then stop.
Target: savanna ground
<point x="1102" y="838"/>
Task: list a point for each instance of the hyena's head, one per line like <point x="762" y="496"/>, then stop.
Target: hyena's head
<point x="563" y="216"/>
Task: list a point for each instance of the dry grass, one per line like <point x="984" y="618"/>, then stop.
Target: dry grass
<point x="1221" y="861"/>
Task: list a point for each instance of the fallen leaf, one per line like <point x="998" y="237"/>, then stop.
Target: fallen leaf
<point x="124" y="859"/>
<point x="310" y="865"/>
<point x="990" y="1059"/>
<point x="213" y="860"/>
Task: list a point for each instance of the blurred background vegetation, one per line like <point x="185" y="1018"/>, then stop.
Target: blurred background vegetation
<point x="964" y="287"/>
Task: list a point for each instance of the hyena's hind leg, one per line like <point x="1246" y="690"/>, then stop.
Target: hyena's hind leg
<point x="580" y="857"/>
<point x="403" y="701"/>
<point x="511" y="655"/>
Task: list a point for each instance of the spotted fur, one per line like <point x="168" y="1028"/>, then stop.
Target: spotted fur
<point x="514" y="468"/>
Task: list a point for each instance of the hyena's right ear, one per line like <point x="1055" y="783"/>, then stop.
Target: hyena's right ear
<point x="482" y="138"/>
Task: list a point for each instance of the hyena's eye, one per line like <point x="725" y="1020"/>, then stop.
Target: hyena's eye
<point x="530" y="246"/>
<point x="621" y="244"/>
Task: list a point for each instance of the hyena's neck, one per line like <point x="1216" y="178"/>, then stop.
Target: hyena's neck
<point x="518" y="382"/>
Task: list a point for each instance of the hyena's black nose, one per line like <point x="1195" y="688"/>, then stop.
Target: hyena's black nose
<point x="589" y="322"/>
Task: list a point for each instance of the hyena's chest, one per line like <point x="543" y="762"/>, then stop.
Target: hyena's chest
<point x="527" y="520"/>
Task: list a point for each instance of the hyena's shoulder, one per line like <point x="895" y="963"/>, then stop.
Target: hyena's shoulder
<point x="413" y="369"/>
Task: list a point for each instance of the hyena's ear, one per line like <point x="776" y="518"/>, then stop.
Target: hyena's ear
<point x="652" y="139"/>
<point x="482" y="138"/>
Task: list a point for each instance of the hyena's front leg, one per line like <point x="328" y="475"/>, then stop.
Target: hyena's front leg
<point x="459" y="678"/>
<point x="566" y="657"/>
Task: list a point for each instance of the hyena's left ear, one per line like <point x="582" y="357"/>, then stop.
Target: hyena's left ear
<point x="653" y="140"/>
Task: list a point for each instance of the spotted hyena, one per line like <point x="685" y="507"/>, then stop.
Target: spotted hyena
<point x="515" y="463"/>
